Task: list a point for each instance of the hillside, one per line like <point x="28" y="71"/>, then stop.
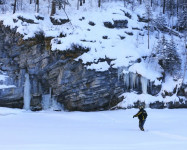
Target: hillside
<point x="110" y="37"/>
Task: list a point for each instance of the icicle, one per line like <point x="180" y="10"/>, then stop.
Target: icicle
<point x="126" y="80"/>
<point x="151" y="85"/>
<point x="132" y="80"/>
<point x="137" y="83"/>
<point x="144" y="83"/>
<point x="120" y="72"/>
<point x="27" y="94"/>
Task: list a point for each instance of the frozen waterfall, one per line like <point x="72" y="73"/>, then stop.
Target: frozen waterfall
<point x="134" y="81"/>
<point x="130" y="80"/>
<point x="50" y="102"/>
<point x="144" y="83"/>
<point x="133" y="77"/>
<point x="126" y="80"/>
<point x="27" y="93"/>
<point x="46" y="100"/>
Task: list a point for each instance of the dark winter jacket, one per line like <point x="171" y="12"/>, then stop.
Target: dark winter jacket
<point x="142" y="114"/>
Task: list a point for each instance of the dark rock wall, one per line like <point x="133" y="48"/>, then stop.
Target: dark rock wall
<point x="71" y="83"/>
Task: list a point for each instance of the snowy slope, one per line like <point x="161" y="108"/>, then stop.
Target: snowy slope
<point x="104" y="130"/>
<point x="123" y="51"/>
<point x="79" y="31"/>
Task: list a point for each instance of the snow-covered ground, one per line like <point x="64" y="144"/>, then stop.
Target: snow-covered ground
<point x="104" y="130"/>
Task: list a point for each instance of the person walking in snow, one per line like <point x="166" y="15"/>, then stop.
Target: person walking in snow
<point x="142" y="115"/>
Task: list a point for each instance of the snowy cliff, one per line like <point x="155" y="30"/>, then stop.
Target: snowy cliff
<point x="91" y="58"/>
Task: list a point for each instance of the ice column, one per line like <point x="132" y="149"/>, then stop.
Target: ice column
<point x="144" y="83"/>
<point x="46" y="100"/>
<point x="132" y="80"/>
<point x="120" y="72"/>
<point x="55" y="105"/>
<point x="27" y="93"/>
<point x="126" y="80"/>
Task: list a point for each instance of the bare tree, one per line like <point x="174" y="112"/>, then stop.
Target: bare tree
<point x="37" y="3"/>
<point x="185" y="36"/>
<point x="53" y="9"/>
<point x="185" y="51"/>
<point x="99" y="3"/>
<point x="164" y="6"/>
<point x="77" y="4"/>
<point x="14" y="8"/>
<point x="21" y="4"/>
<point x="177" y="7"/>
<point x="148" y="15"/>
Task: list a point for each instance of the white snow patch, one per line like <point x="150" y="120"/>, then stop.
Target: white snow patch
<point x="102" y="66"/>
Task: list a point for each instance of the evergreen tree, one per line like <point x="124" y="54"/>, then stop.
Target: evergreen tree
<point x="168" y="57"/>
<point x="160" y="22"/>
<point x="161" y="49"/>
<point x="172" y="60"/>
<point x="170" y="5"/>
<point x="182" y="19"/>
<point x="2" y="2"/>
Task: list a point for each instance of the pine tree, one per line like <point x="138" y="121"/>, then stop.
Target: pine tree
<point x="170" y="5"/>
<point x="161" y="49"/>
<point x="182" y="19"/>
<point x="172" y="60"/>
<point x="2" y="2"/>
<point x="168" y="57"/>
<point x="160" y="22"/>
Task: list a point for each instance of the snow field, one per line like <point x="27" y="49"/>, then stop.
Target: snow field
<point x="105" y="130"/>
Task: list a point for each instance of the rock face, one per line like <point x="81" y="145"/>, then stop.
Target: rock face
<point x="70" y="82"/>
<point x="56" y="72"/>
